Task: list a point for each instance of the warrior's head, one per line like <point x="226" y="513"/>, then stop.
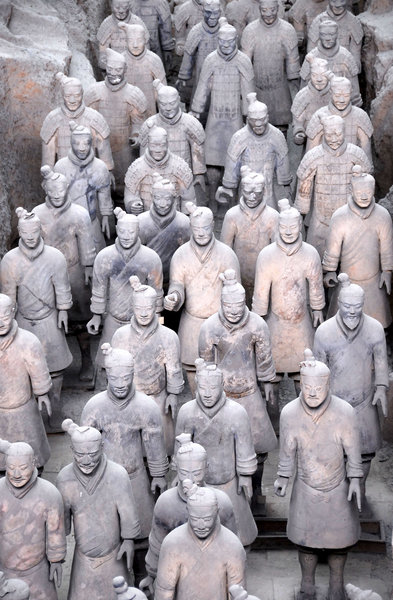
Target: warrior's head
<point x="144" y="302"/>
<point x="202" y="507"/>
<point x="20" y="462"/>
<point x="233" y="297"/>
<point x="202" y="224"/>
<point x="350" y="302"/>
<point x="227" y="38"/>
<point x="7" y="314"/>
<point x="338" y="7"/>
<point x="121" y="9"/>
<point x="333" y="131"/>
<point x="257" y="114"/>
<point x="163" y="195"/>
<point x="119" y="367"/>
<point x="328" y="34"/>
<point x="211" y="12"/>
<point x="209" y="382"/>
<point x="319" y="71"/>
<point x="253" y="187"/>
<point x="81" y="140"/>
<point x="269" y="11"/>
<point x="341" y="91"/>
<point x="363" y="187"/>
<point x="86" y="446"/>
<point x="157" y="143"/>
<point x="136" y="37"/>
<point x="191" y="462"/>
<point x="168" y="100"/>
<point x="289" y="222"/>
<point x="127" y="228"/>
<point x="314" y="380"/>
<point x="55" y="186"/>
<point x="29" y="228"/>
<point x="116" y="67"/>
<point x="72" y="91"/>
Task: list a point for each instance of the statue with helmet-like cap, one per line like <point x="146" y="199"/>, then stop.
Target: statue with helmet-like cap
<point x="13" y="589"/>
<point x="201" y="555"/>
<point x="155" y="350"/>
<point x="99" y="503"/>
<point x="353" y="346"/>
<point x="124" y="108"/>
<point x="35" y="275"/>
<point x="250" y="226"/>
<point x="33" y="541"/>
<point x="319" y="441"/>
<point x="194" y="282"/>
<point x="170" y="510"/>
<point x="113" y="267"/>
<point x="89" y="181"/>
<point x="360" y="243"/>
<point x="131" y="426"/>
<point x="260" y="146"/>
<point x="55" y="131"/>
<point x="123" y="592"/>
<point x="223" y="428"/>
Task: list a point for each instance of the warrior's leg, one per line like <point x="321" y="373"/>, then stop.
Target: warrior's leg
<point x="308" y="563"/>
<point x="336" y="564"/>
<point x="56" y="418"/>
<point x="86" y="372"/>
<point x="258" y="500"/>
<point x="273" y="407"/>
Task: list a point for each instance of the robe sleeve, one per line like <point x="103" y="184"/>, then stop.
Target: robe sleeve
<point x="315" y="282"/>
<point x="381" y="369"/>
<point x="261" y="297"/>
<point x="7" y="277"/>
<point x="104" y="150"/>
<point x="85" y="240"/>
<point x="350" y="438"/>
<point x="67" y="505"/>
<point x="56" y="544"/>
<point x="386" y="244"/>
<point x="228" y="231"/>
<point x="292" y="54"/>
<point x="203" y="88"/>
<point x="61" y="284"/>
<point x="153" y="440"/>
<point x="206" y="347"/>
<point x="155" y="279"/>
<point x="288" y="446"/>
<point x="306" y="173"/>
<point x="101" y="271"/>
<point x="319" y="350"/>
<point x="34" y="359"/>
<point x="246" y="460"/>
<point x="173" y="366"/>
<point x="104" y="194"/>
<point x="126" y="508"/>
<point x="177" y="279"/>
<point x="157" y="535"/>
<point x="335" y="238"/>
<point x="263" y="354"/>
<point x="49" y="152"/>
<point x="168" y="572"/>
<point x="236" y="566"/>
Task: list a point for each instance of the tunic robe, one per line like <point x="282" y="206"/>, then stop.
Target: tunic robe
<point x="357" y="361"/>
<point x="37" y="280"/>
<point x="129" y="427"/>
<point x="23" y="375"/>
<point x="32" y="534"/>
<point x="141" y="71"/>
<point x="243" y="352"/>
<point x="194" y="275"/>
<point x="224" y="431"/>
<point x="103" y="511"/>
<point x="315" y="442"/>
<point x="288" y="279"/>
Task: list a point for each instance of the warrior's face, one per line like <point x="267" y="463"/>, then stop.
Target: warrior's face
<point x="363" y="193"/>
<point x="202" y="520"/>
<point x="163" y="201"/>
<point x="341" y="95"/>
<point x="202" y="230"/>
<point x="144" y="309"/>
<point x="73" y="96"/>
<point x="289" y="228"/>
<point x="319" y="78"/>
<point x="315" y="389"/>
<point x="7" y="314"/>
<point x="350" y="306"/>
<point x="193" y="469"/>
<point x="253" y="193"/>
<point x="334" y="135"/>
<point x="127" y="233"/>
<point x="233" y="309"/>
<point x="209" y="387"/>
<point x="121" y="9"/>
<point x="169" y="103"/>
<point x="87" y="454"/>
<point x="137" y="42"/>
<point x="338" y="6"/>
<point x="81" y="145"/>
<point x="30" y="233"/>
<point x="268" y="10"/>
<point x="158" y="147"/>
<point x="115" y="73"/>
<point x="328" y="36"/>
<point x="56" y="192"/>
<point x="19" y="469"/>
<point x="211" y="15"/>
<point x="227" y="43"/>
<point x="120" y="380"/>
<point x="258" y="121"/>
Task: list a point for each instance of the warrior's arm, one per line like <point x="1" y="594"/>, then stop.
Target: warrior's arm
<point x="263" y="354"/>
<point x="261" y="297"/>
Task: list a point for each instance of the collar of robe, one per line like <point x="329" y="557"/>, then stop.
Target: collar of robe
<point x="252" y="213"/>
<point x="127" y="255"/>
<point x="350" y="334"/>
<point x="234" y="326"/>
<point x="7" y="339"/>
<point x="213" y="410"/>
<point x="329" y="52"/>
<point x="262" y="22"/>
<point x="115" y="87"/>
<point x="334" y="17"/>
<point x="126" y="20"/>
<point x="341" y="113"/>
<point x="25" y="489"/>
<point x="156" y="163"/>
<point x="314" y="90"/>
<point x="73" y="114"/>
<point x="144" y="332"/>
<point x="173" y="121"/>
<point x="363" y="213"/>
<point x="202" y="253"/>
<point x="162" y="221"/>
<point x="81" y="162"/>
<point x="121" y="402"/>
<point x="340" y="150"/>
<point x="289" y="249"/>
<point x="205" y="543"/>
<point x="58" y="210"/>
<point x="31" y="253"/>
<point x="91" y="482"/>
<point x="208" y="29"/>
<point x="315" y="413"/>
<point x="139" y="57"/>
<point x="227" y="57"/>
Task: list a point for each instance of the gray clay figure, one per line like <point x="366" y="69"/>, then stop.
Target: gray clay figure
<point x="155" y="351"/>
<point x="89" y="181"/>
<point x="157" y="158"/>
<point x="123" y="592"/>
<point x="195" y="282"/>
<point x="13" y="589"/>
<point x="360" y="242"/>
<point x="33" y="541"/>
<point x="170" y="510"/>
<point x="124" y="108"/>
<point x="35" y="276"/>
<point x="301" y="15"/>
<point x="353" y="346"/>
<point x="109" y="35"/>
<point x="271" y="45"/>
<point x="340" y="60"/>
<point x="186" y="137"/>
<point x="24" y="385"/>
<point x="223" y="428"/>
<point x="324" y="176"/>
<point x="156" y="16"/>
<point x="316" y="430"/>
<point x="67" y="227"/>
<point x="131" y="427"/>
<point x="111" y="303"/>
<point x="55" y="132"/>
<point x="358" y="126"/>
<point x="201" y="555"/>
<point x="99" y="503"/>
<point x="260" y="146"/>
<point x="143" y="66"/>
<point x="185" y="18"/>
<point x="163" y="228"/>
<point x="310" y="98"/>
<point x="250" y="226"/>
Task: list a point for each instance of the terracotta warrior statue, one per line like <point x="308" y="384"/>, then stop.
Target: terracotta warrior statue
<point x="89" y="181"/>
<point x="187" y="15"/>
<point x="194" y="282"/>
<point x="123" y="592"/>
<point x="143" y="65"/>
<point x="250" y="226"/>
<point x="155" y="350"/>
<point x="131" y="427"/>
<point x="358" y="126"/>
<point x="156" y="16"/>
<point x="111" y="301"/>
<point x="350" y="30"/>
<point x="222" y="427"/>
<point x="157" y="158"/>
<point x="324" y="175"/>
<point x="271" y="45"/>
<point x="260" y="146"/>
<point x="67" y="227"/>
<point x="201" y="555"/>
<point x="99" y="503"/>
<point x="186" y="137"/>
<point x="33" y="542"/>
<point x="360" y="242"/>
<point x="24" y="385"/>
<point x="288" y="283"/>
<point x="124" y="108"/>
<point x="35" y="276"/>
<point x="162" y="227"/>
<point x="353" y="346"/>
<point x="13" y="589"/>
<point x="340" y="60"/>
<point x="170" y="510"/>
<point x="226" y="78"/>
<point x="302" y="14"/>
<point x="238" y="341"/>
<point x="310" y="98"/>
<point x="316" y="430"/>
<point x="109" y="34"/>
<point x="55" y="132"/>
